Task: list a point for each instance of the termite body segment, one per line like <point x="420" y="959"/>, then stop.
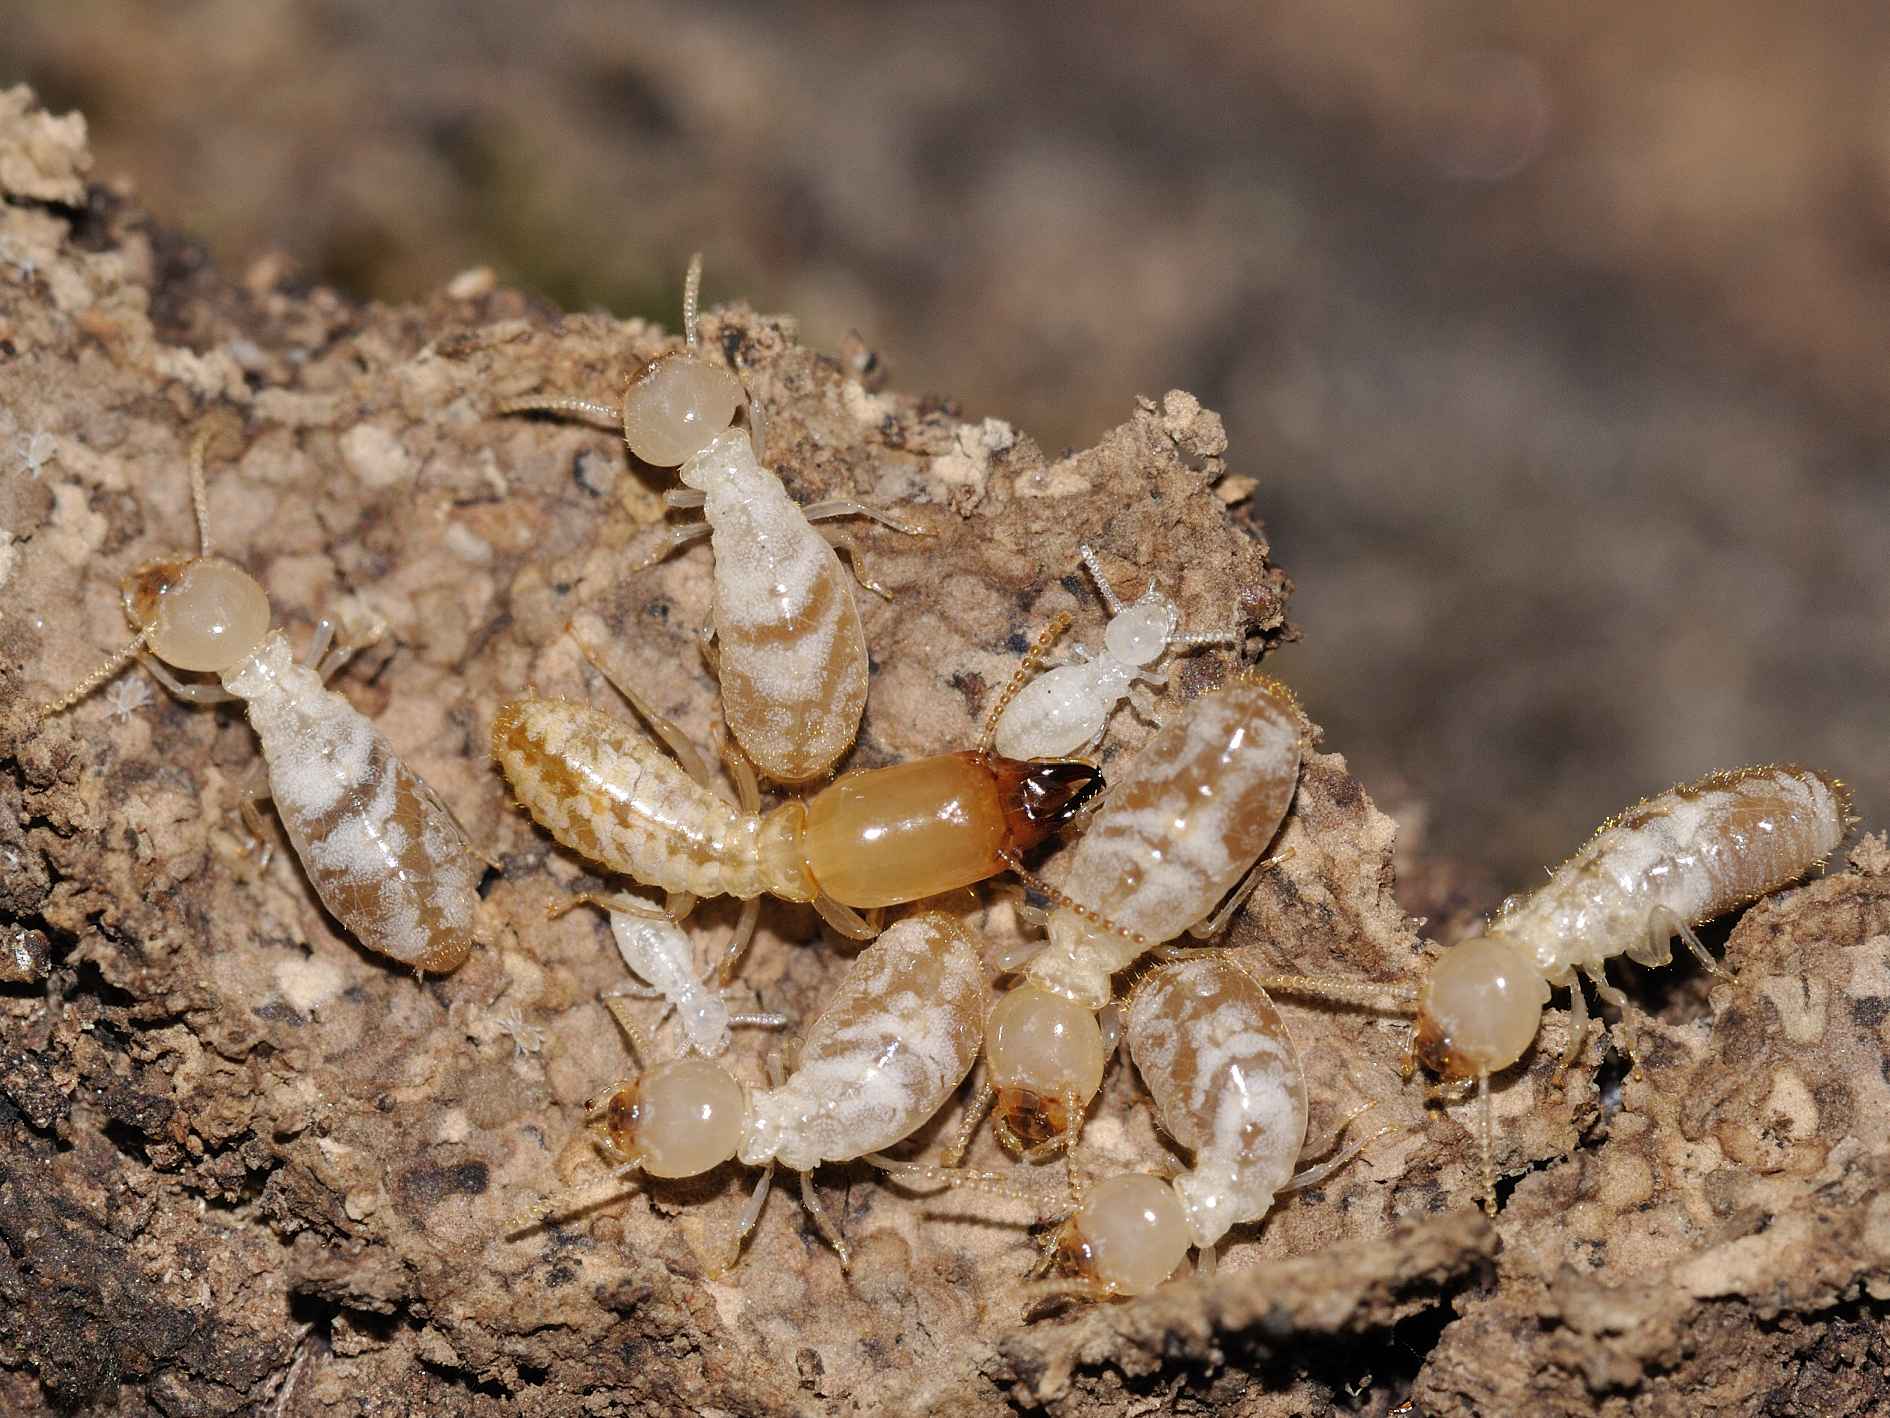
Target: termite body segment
<point x="384" y="854"/>
<point x="873" y="838"/>
<point x="1659" y="869"/>
<point x="1065" y="710"/>
<point x="792" y="657"/>
<point x="1189" y="817"/>
<point x="896" y="1037"/>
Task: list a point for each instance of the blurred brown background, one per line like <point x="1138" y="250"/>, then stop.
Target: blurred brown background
<point x="1555" y="335"/>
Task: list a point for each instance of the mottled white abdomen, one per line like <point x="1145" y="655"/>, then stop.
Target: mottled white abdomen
<point x="1227" y="1085"/>
<point x="1062" y="710"/>
<point x="384" y="856"/>
<point x="1678" y="859"/>
<point x="793" y="655"/>
<point x="898" y="1035"/>
<point x="1189" y="817"/>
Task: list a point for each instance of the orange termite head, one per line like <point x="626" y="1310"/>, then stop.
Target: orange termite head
<point x="1126" y="1238"/>
<point x="680" y="1119"/>
<point x="1041" y="796"/>
<point x="1479" y="1007"/>
<point x="200" y="612"/>
<point x="1043" y="1052"/>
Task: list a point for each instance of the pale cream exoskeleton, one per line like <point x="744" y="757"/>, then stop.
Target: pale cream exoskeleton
<point x="1183" y="824"/>
<point x="1663" y="867"/>
<point x="896" y="1038"/>
<point x="1228" y="1087"/>
<point x="792" y="657"/>
<point x="383" y="852"/>
<point x="657" y="951"/>
<point x="1065" y="710"/>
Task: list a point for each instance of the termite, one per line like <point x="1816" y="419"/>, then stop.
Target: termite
<point x="1183" y="824"/>
<point x="896" y="1037"/>
<point x="1065" y="710"/>
<point x="877" y="837"/>
<point x="383" y="852"/>
<point x="792" y="658"/>
<point x="657" y="951"/>
<point x="1660" y="869"/>
<point x="1227" y="1085"/>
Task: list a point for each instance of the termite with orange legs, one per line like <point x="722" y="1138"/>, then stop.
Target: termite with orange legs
<point x="896" y="1038"/>
<point x="792" y="657"/>
<point x="1663" y="867"/>
<point x="383" y="852"/>
<point x="1228" y="1087"/>
<point x="878" y="837"/>
<point x="1183" y="824"/>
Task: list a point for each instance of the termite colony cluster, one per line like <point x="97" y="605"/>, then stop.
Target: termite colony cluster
<point x="1156" y="864"/>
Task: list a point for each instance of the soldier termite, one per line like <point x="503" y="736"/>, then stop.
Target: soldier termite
<point x="792" y="658"/>
<point x="1227" y="1084"/>
<point x="896" y="1037"/>
<point x="1185" y="821"/>
<point x="1661" y="868"/>
<point x="383" y="852"/>
<point x="878" y="837"/>
<point x="657" y="951"/>
<point x="1065" y="710"/>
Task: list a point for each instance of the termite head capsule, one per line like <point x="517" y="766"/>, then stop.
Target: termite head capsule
<point x="1042" y="796"/>
<point x="1043" y="1052"/>
<point x="1127" y="1237"/>
<point x="200" y="613"/>
<point x="1479" y="1007"/>
<point x="676" y="405"/>
<point x="1141" y="631"/>
<point x="679" y="1119"/>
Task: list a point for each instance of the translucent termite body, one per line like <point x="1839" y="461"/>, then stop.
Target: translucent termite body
<point x="896" y="1037"/>
<point x="384" y="854"/>
<point x="1188" y="818"/>
<point x="792" y="657"/>
<point x="657" y="951"/>
<point x="1065" y="710"/>
<point x="1663" y="867"/>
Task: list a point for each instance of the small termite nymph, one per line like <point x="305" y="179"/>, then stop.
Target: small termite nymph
<point x="657" y="952"/>
<point x="1228" y="1087"/>
<point x="1065" y="710"/>
<point x="894" y="1041"/>
<point x="383" y="852"/>
<point x="878" y="837"/>
<point x="792" y="658"/>
<point x="1183" y="824"/>
<point x="1658" y="870"/>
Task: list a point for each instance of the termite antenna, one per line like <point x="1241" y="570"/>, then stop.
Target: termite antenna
<point x="1110" y="598"/>
<point x="639" y="1041"/>
<point x="924" y="1172"/>
<point x="208" y="432"/>
<point x="1033" y="657"/>
<point x="692" y="288"/>
<point x="1069" y="903"/>
<point x="1365" y="994"/>
<point x="562" y="1205"/>
<point x="92" y="681"/>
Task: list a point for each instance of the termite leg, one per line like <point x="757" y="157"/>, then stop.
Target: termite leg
<point x="1018" y="954"/>
<point x="608" y="901"/>
<point x="818" y="1210"/>
<point x="1110" y="1022"/>
<point x="849" y="922"/>
<point x="1577" y="1029"/>
<point x="556" y="404"/>
<point x="668" y="540"/>
<point x="1608" y="994"/>
<point x="1026" y="667"/>
<point x="1314" y="1175"/>
<point x="1216" y="923"/>
<point x="968" y="1128"/>
<point x="843" y="507"/>
<point x="844" y="543"/>
<point x="681" y="499"/>
<point x="1664" y="923"/>
<point x="771" y="1019"/>
<point x="1205" y="1263"/>
<point x="254" y="789"/>
<point x="190" y="693"/>
<point x="741" y="772"/>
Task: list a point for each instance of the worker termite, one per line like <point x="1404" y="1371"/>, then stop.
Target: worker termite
<point x="877" y="837"/>
<point x="383" y="852"/>
<point x="657" y="952"/>
<point x="1188" y="818"/>
<point x="792" y="658"/>
<point x="1228" y="1087"/>
<point x="1065" y="710"/>
<point x="1663" y="867"/>
<point x="896" y="1037"/>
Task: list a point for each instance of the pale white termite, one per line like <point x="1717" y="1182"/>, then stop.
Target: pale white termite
<point x="1187" y="819"/>
<point x="657" y="951"/>
<point x="1661" y="868"/>
<point x="897" y="1036"/>
<point x="1227" y="1084"/>
<point x="382" y="851"/>
<point x="792" y="661"/>
<point x="1065" y="710"/>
